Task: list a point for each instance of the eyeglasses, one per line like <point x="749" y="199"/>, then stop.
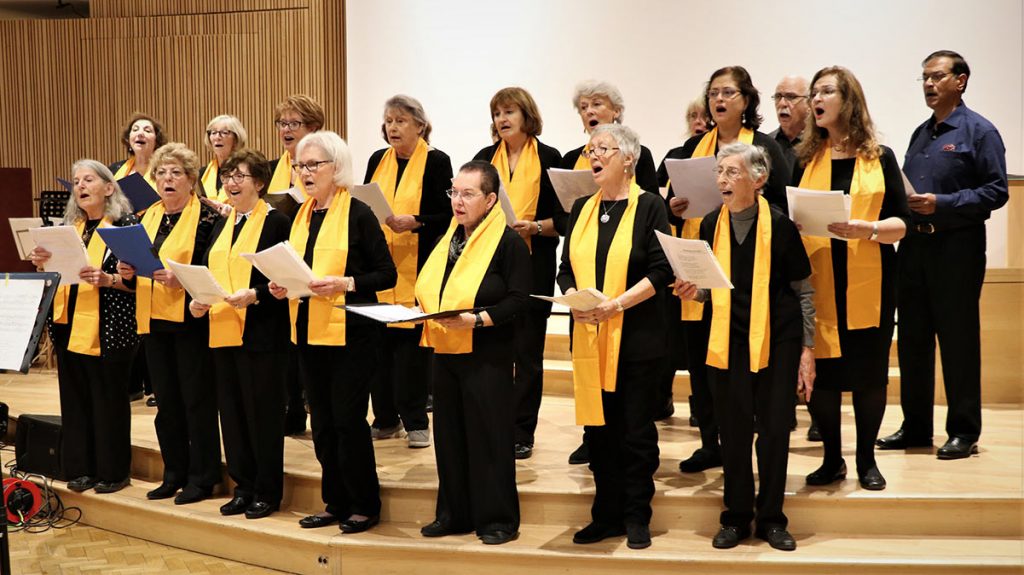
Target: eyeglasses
<point x="824" y="92"/>
<point x="311" y="167"/>
<point x="237" y="177"/>
<point x="464" y="195"/>
<point x="935" y="77"/>
<point x="174" y="173"/>
<point x="730" y="173"/>
<point x="221" y="133"/>
<point x="725" y="93"/>
<point x="788" y="97"/>
<point x="292" y="125"/>
<point x="598" y="152"/>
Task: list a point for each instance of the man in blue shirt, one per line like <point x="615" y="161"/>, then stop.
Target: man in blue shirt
<point x="956" y="164"/>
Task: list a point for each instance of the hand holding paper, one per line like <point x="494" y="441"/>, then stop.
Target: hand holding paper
<point x="583" y="300"/>
<point x="67" y="253"/>
<point x="694" y="179"/>
<point x="693" y="261"/>
<point x="283" y="266"/>
<point x="814" y="210"/>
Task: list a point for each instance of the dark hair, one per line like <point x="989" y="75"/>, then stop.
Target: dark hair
<point x="959" y="64"/>
<point x="158" y="130"/>
<point x="490" y="181"/>
<point x="259" y="168"/>
<point x="520" y="98"/>
<point x="751" y="119"/>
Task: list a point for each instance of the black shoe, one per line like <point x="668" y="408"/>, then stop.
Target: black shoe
<point x="236" y="506"/>
<point x="151" y="402"/>
<point x="359" y="525"/>
<point x="498" y="537"/>
<point x="813" y="433"/>
<point x="597" y="532"/>
<point x="192" y="494"/>
<point x="957" y="448"/>
<point x="701" y="460"/>
<point x="693" y="418"/>
<point x="112" y="486"/>
<point x="823" y="476"/>
<point x="136" y="396"/>
<point x="437" y="529"/>
<point x="581" y="455"/>
<point x="83" y="483"/>
<point x="524" y="450"/>
<point x="900" y="440"/>
<point x="165" y="491"/>
<point x="638" y="536"/>
<point x="317" y="521"/>
<point x="872" y="480"/>
<point x="667" y="411"/>
<point x="778" y="538"/>
<point x="729" y="537"/>
<point x="260" y="509"/>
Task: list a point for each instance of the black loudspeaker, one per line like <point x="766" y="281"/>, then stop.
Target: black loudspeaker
<point x="37" y="446"/>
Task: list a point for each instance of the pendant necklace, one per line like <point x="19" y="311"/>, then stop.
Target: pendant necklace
<point x="605" y="217"/>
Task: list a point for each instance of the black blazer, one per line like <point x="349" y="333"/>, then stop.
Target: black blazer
<point x="646" y="177"/>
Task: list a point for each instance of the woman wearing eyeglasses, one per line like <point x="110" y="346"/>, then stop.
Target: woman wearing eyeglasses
<point x="523" y="162"/>
<point x="732" y="101"/>
<point x="176" y="344"/>
<point x="854" y="277"/>
<point x="479" y="264"/>
<point x="224" y="135"/>
<point x="341" y="240"/>
<point x="248" y="338"/>
<point x="619" y="346"/>
<point x="413" y="177"/>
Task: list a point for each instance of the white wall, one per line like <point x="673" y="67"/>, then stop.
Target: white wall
<point x="454" y="54"/>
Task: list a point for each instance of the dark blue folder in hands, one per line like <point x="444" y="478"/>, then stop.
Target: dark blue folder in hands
<point x="132" y="246"/>
<point x="138" y="191"/>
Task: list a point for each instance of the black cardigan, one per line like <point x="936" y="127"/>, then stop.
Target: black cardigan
<point x="646" y="177"/>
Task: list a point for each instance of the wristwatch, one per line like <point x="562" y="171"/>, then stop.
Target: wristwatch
<point x="874" y="232"/>
<point x="479" y="320"/>
<point x="540" y="228"/>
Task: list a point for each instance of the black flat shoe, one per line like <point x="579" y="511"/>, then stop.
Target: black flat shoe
<point x="823" y="476"/>
<point x="438" y="529"/>
<point x="524" y="450"/>
<point x="778" y="538"/>
<point x="498" y="537"/>
<point x="667" y="411"/>
<point x="112" y="486"/>
<point x="901" y="440"/>
<point x="83" y="483"/>
<point x="236" y="506"/>
<point x="729" y="537"/>
<point x="165" y="491"/>
<point x="872" y="480"/>
<point x="638" y="536"/>
<point x="260" y="509"/>
<point x="813" y="433"/>
<point x="359" y="525"/>
<point x="580" y="456"/>
<point x="701" y="460"/>
<point x="597" y="532"/>
<point x="317" y="521"/>
<point x="957" y="448"/>
<point x="151" y="402"/>
<point x="192" y="494"/>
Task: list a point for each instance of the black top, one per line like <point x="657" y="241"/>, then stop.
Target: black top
<point x="787" y="146"/>
<point x="644" y="325"/>
<point x="368" y="263"/>
<point x="118" y="334"/>
<point x="266" y="322"/>
<point x="435" y="211"/>
<point x="789" y="263"/>
<point x="646" y="177"/>
<point x="504" y="291"/>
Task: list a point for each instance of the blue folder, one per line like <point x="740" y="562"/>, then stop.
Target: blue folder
<point x="138" y="191"/>
<point x="132" y="246"/>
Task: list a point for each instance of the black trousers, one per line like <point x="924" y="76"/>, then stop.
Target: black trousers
<point x="740" y="396"/>
<point x="940" y="279"/>
<point x="95" y="414"/>
<point x="531" y="333"/>
<point x="250" y="396"/>
<point x="624" y="451"/>
<point x="295" y="404"/>
<point x="695" y="336"/>
<point x="139" y="378"/>
<point x="474" y="443"/>
<point x="399" y="389"/>
<point x="337" y="384"/>
<point x="186" y="418"/>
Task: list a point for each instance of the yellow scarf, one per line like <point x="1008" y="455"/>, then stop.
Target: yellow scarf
<point x="282" y="178"/>
<point x="523" y="187"/>
<point x="330" y="255"/>
<point x="209" y="181"/>
<point x="233" y="272"/>
<point x="126" y="169"/>
<point x="155" y="300"/>
<point x="463" y="283"/>
<point x="404" y="198"/>
<point x="721" y="298"/>
<point x="863" y="257"/>
<point x="85" y="332"/>
<point x="595" y="349"/>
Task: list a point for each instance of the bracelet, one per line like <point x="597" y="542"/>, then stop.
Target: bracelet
<point x="874" y="231"/>
<point x="479" y="320"/>
<point x="540" y="228"/>
<point x="618" y="306"/>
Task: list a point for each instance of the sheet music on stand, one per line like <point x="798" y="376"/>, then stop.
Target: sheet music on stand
<point x="25" y="300"/>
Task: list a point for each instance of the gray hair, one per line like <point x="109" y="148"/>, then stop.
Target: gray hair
<point x="410" y="106"/>
<point x="337" y="151"/>
<point x="116" y="205"/>
<point x="595" y="88"/>
<point x="625" y="138"/>
<point x="754" y="158"/>
<point x="234" y="125"/>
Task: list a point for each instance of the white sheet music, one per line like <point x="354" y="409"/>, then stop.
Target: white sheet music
<point x="69" y="255"/>
<point x="19" y="305"/>
<point x="693" y="261"/>
<point x="814" y="210"/>
<point x="371" y="195"/>
<point x="582" y="300"/>
<point x="199" y="282"/>
<point x="283" y="266"/>
<point x="506" y="205"/>
<point x="22" y="238"/>
<point x="694" y="179"/>
<point x="571" y="185"/>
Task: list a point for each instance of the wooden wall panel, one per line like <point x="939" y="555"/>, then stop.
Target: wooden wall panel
<point x="73" y="83"/>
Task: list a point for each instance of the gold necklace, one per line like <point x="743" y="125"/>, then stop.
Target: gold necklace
<point x="841" y="146"/>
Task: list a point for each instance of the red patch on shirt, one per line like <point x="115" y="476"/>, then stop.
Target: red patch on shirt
<point x="949" y="148"/>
